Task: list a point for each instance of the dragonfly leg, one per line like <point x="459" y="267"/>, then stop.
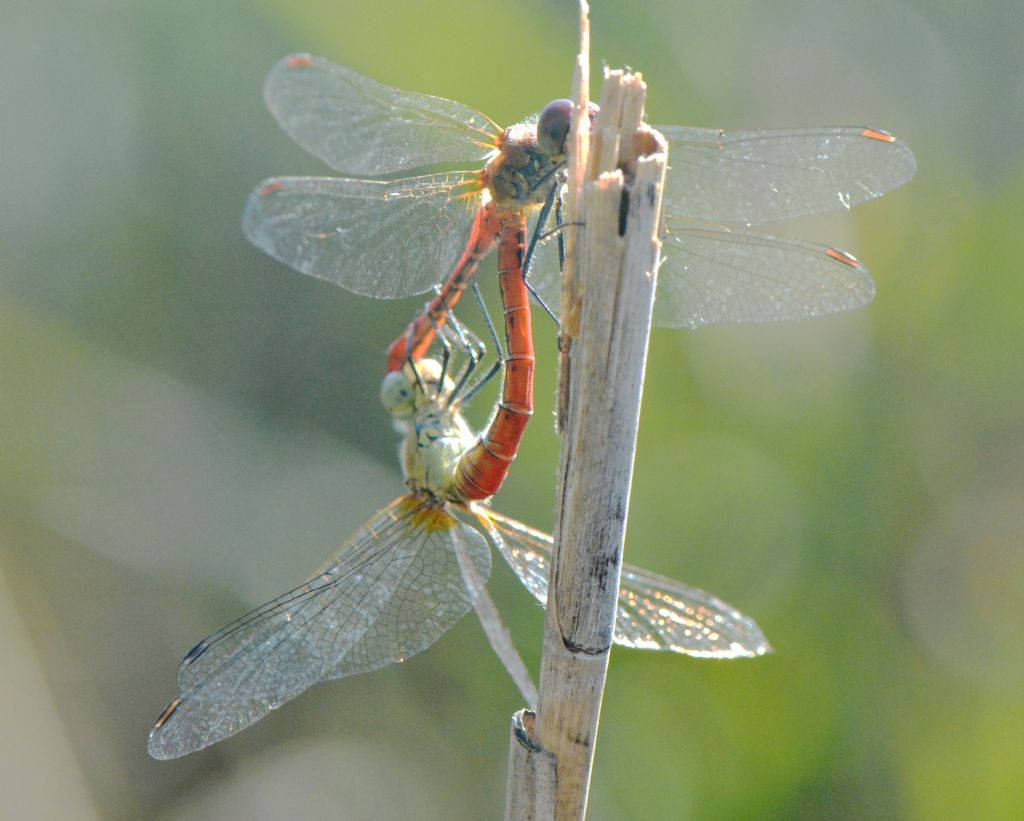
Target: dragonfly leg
<point x="446" y="351"/>
<point x="499" y="362"/>
<point x="538" y="234"/>
<point x="467" y="342"/>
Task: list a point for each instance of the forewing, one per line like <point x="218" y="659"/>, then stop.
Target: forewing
<point x="713" y="275"/>
<point x="392" y="591"/>
<point x="654" y="612"/>
<point x="751" y="177"/>
<point x="363" y="128"/>
<point x="375" y="238"/>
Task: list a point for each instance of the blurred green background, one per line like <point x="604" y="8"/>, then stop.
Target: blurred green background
<point x="187" y="428"/>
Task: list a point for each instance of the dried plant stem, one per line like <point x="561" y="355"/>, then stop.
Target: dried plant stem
<point x="606" y="323"/>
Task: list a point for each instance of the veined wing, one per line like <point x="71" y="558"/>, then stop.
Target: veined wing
<point x="711" y="275"/>
<point x="363" y="128"/>
<point x="375" y="238"/>
<point x="752" y="177"/>
<point x="393" y="590"/>
<point x="654" y="612"/>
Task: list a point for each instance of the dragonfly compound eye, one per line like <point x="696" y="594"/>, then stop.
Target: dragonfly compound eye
<point x="396" y="394"/>
<point x="553" y="127"/>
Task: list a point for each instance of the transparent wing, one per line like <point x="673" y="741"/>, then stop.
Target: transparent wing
<point x="751" y="177"/>
<point x="363" y="128"/>
<point x="716" y="274"/>
<point x="657" y="613"/>
<point x="392" y="591"/>
<point x="375" y="238"/>
<point x="712" y="275"/>
<point x="654" y="612"/>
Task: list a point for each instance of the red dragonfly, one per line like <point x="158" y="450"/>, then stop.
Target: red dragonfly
<point x="388" y="228"/>
<point x="405" y="234"/>
<point x="401" y="582"/>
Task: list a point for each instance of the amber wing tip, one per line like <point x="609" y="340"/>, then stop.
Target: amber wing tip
<point x="878" y="134"/>
<point x="843" y="257"/>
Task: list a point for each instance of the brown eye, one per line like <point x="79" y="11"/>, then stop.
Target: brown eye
<point x="553" y="126"/>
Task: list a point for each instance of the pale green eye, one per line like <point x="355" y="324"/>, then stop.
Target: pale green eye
<point x="396" y="394"/>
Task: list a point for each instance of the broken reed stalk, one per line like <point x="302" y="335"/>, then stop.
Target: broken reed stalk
<point x="604" y="348"/>
<point x="616" y="275"/>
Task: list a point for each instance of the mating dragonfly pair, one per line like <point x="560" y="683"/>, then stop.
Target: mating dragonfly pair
<point x="397" y="585"/>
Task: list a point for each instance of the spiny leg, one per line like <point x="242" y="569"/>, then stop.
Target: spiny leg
<point x="535" y="237"/>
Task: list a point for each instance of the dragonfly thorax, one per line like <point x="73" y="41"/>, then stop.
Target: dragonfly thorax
<point x="436" y="440"/>
<point x="521" y="173"/>
<point x="436" y="434"/>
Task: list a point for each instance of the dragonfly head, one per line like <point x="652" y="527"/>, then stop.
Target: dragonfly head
<point x="405" y="392"/>
<point x="553" y="126"/>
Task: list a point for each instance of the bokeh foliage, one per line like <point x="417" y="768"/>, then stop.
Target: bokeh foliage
<point x="187" y="428"/>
